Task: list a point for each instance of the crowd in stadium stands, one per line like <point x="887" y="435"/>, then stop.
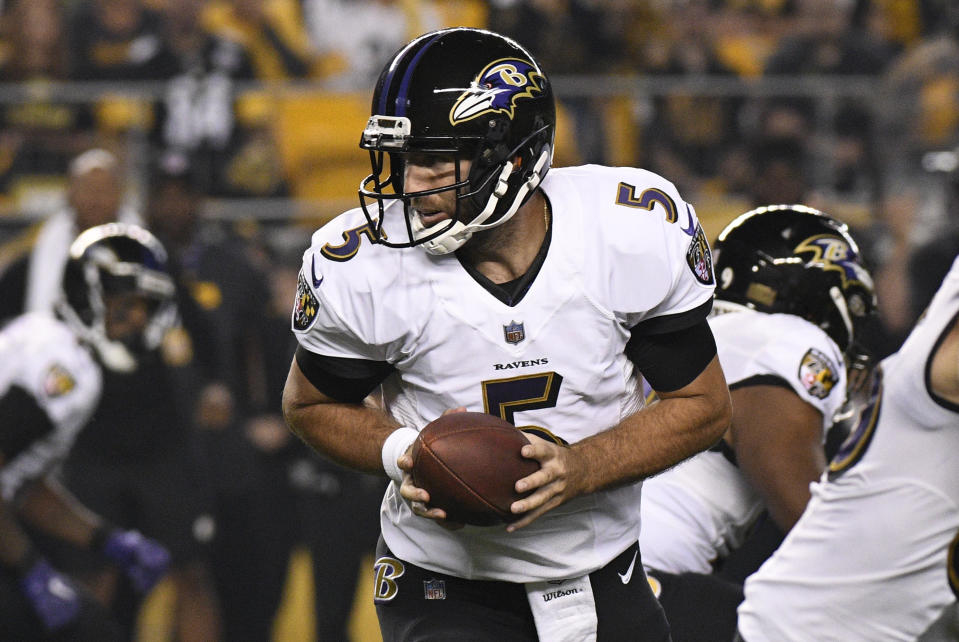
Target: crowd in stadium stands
<point x="189" y="101"/>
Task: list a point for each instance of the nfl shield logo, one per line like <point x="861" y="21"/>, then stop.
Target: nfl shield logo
<point x="434" y="589"/>
<point x="514" y="332"/>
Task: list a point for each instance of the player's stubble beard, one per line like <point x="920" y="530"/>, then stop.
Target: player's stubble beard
<point x="483" y="242"/>
<point x="497" y="240"/>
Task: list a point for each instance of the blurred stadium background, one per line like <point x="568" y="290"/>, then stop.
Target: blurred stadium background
<point x="851" y="106"/>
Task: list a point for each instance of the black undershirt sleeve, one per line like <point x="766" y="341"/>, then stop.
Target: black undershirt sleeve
<point x="671" y="360"/>
<point x="22" y="422"/>
<point x="341" y="378"/>
<point x="672" y="322"/>
<point x="761" y="380"/>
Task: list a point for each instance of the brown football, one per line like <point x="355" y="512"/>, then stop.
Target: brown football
<point x="469" y="463"/>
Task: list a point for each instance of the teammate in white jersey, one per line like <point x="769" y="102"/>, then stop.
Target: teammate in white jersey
<point x="537" y="298"/>
<point x="791" y="295"/>
<point x="867" y="559"/>
<point x="116" y="296"/>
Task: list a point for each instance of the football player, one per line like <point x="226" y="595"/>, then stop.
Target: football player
<point x="473" y="276"/>
<point x="117" y="297"/>
<point x="866" y="559"/>
<point x="791" y="299"/>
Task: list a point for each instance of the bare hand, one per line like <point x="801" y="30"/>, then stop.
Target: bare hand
<point x="418" y="497"/>
<point x="556" y="482"/>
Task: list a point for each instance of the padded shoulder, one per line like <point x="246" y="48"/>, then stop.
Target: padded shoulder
<point x="43" y="357"/>
<point x="755" y="344"/>
<point x="352" y="293"/>
<point x="646" y="253"/>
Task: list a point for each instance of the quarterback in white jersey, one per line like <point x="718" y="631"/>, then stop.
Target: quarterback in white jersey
<point x="866" y="561"/>
<point x="115" y="290"/>
<point x="536" y="298"/>
<point x="554" y="359"/>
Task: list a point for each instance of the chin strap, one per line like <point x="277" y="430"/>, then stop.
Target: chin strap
<point x="459" y="233"/>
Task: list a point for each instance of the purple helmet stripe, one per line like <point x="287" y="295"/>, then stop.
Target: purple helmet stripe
<point x="400" y="100"/>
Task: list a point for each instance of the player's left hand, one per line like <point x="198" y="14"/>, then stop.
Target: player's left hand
<point x="418" y="497"/>
<point x="555" y="482"/>
<point x="145" y="561"/>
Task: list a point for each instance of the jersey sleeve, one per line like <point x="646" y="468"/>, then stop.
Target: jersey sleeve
<point x="340" y="308"/>
<point x="66" y="382"/>
<point x="57" y="389"/>
<point x="659" y="262"/>
<point x="318" y="326"/>
<point x="815" y="372"/>
<point x="690" y="272"/>
<point x="787" y="348"/>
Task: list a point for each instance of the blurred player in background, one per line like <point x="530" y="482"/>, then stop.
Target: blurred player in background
<point x="866" y="560"/>
<point x="116" y="297"/>
<point x="790" y="298"/>
<point x="137" y="463"/>
<point x="471" y="278"/>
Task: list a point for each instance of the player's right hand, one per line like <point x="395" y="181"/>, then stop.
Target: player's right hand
<point x="54" y="597"/>
<point x="555" y="483"/>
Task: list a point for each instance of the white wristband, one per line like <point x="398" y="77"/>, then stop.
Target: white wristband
<point x="394" y="446"/>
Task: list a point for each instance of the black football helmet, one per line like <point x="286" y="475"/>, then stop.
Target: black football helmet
<point x="797" y="260"/>
<point x="471" y="95"/>
<point x="117" y="258"/>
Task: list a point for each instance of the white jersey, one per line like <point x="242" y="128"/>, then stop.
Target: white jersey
<point x="42" y="356"/>
<point x="867" y="560"/>
<point x="625" y="249"/>
<point x="701" y="510"/>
